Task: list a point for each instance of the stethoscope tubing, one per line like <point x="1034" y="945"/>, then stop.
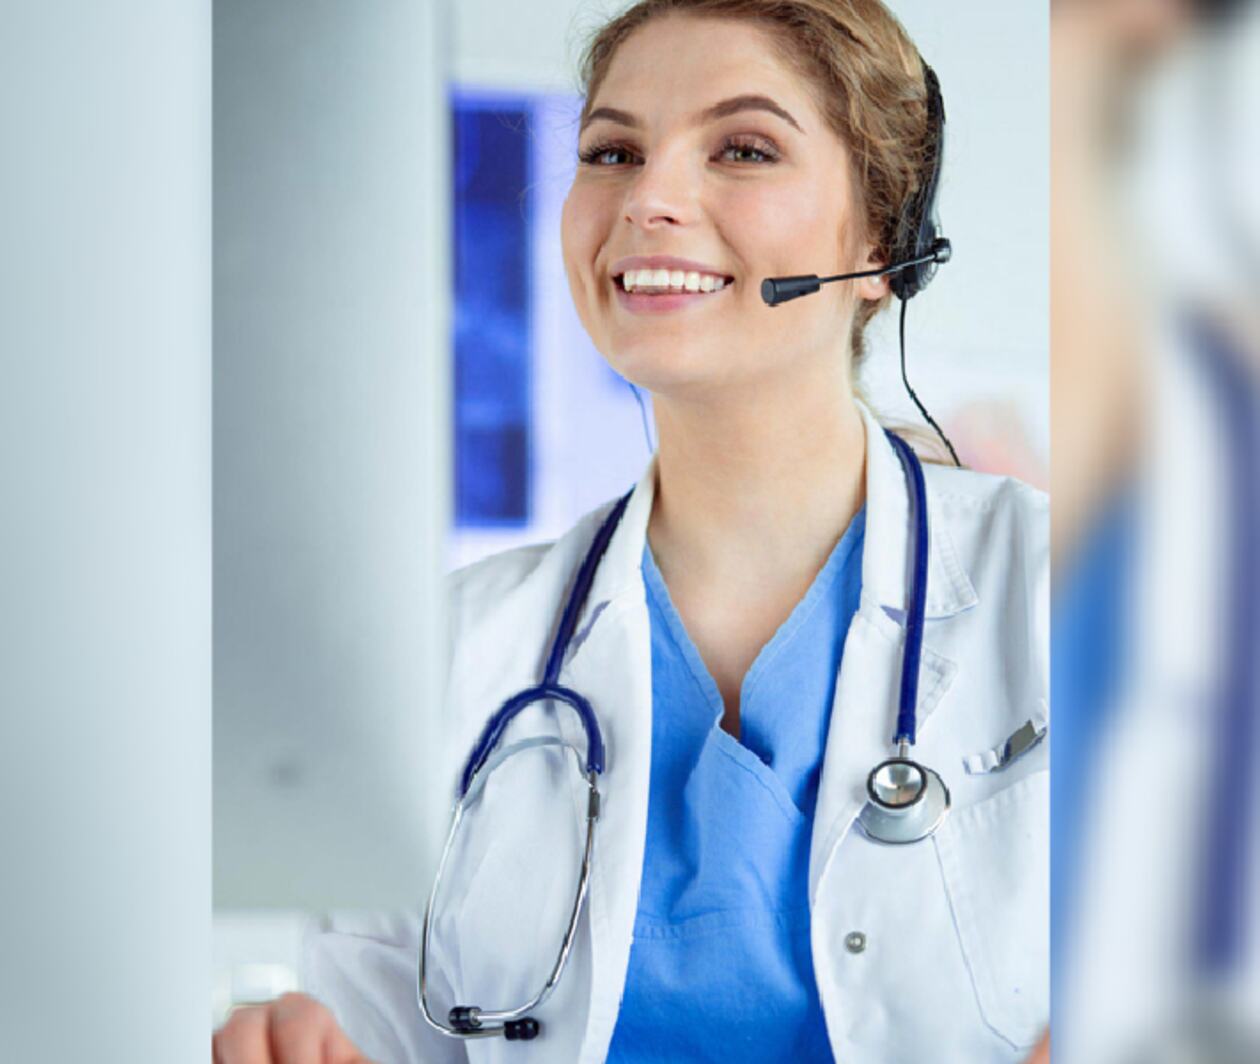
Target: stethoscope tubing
<point x="479" y="1023"/>
<point x="908" y="699"/>
<point x="550" y="688"/>
<point x="469" y="1021"/>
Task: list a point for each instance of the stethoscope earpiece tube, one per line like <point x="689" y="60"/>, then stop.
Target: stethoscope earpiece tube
<point x="497" y="724"/>
<point x="468" y="1021"/>
<point x="549" y="689"/>
<point x="521" y="1030"/>
<point x="465" y="1019"/>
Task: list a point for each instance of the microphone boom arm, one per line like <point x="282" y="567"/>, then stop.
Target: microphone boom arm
<point x="776" y="290"/>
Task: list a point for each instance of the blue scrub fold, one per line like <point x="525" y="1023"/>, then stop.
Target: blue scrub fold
<point x="720" y="967"/>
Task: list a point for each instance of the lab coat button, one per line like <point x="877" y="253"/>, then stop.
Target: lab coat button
<point x="855" y="942"/>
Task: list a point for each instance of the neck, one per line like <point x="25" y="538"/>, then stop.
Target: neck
<point x="772" y="478"/>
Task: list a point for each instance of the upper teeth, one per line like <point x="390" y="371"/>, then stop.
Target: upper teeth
<point x="680" y="280"/>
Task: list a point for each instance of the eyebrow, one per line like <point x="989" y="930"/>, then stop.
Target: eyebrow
<point x="722" y="109"/>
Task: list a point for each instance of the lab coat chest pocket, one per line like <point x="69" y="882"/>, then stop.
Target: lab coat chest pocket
<point x="994" y="858"/>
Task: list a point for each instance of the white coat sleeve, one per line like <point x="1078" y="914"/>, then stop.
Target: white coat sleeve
<point x="362" y="967"/>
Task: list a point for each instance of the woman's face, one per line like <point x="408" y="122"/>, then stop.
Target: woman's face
<point x="673" y="169"/>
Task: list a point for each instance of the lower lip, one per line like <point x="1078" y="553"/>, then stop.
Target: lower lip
<point x="638" y="303"/>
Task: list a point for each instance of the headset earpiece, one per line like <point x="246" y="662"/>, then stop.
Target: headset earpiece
<point x="918" y="234"/>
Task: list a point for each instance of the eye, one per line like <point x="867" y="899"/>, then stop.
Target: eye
<point x="594" y="155"/>
<point x="750" y="150"/>
<point x="736" y="149"/>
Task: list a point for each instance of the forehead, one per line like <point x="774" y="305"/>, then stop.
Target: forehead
<point x="681" y="61"/>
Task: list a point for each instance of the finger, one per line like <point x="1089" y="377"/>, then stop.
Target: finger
<point x="338" y="1049"/>
<point x="299" y="1028"/>
<point x="1041" y="1055"/>
<point x="243" y="1039"/>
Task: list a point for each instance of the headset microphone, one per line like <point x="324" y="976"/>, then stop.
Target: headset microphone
<point x="917" y="247"/>
<point x="776" y="290"/>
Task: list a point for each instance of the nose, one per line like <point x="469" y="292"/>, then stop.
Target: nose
<point x="664" y="193"/>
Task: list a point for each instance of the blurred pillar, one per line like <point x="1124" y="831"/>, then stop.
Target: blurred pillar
<point x="105" y="531"/>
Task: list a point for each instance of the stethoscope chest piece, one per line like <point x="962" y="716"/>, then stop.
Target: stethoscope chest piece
<point x="906" y="802"/>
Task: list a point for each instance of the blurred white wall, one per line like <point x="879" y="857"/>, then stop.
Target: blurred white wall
<point x="105" y="531"/>
<point x="331" y="444"/>
<point x="332" y="458"/>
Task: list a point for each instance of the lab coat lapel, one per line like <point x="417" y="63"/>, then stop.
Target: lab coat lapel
<point x="611" y="662"/>
<point x="865" y="707"/>
<point x="885" y="549"/>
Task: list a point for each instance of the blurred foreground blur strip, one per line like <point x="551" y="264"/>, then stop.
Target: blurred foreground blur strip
<point x="1155" y="438"/>
<point x="1222" y="914"/>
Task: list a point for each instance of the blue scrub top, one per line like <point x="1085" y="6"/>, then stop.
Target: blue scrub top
<point x="720" y="967"/>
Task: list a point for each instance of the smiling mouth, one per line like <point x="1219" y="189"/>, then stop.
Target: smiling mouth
<point x="691" y="284"/>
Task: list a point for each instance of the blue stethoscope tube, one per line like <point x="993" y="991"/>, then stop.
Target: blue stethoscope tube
<point x="907" y="800"/>
<point x="550" y="688"/>
<point x="909" y="696"/>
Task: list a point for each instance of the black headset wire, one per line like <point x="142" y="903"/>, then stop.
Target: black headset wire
<point x="906" y="381"/>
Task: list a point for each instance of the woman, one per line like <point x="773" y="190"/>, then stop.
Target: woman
<point x="757" y="577"/>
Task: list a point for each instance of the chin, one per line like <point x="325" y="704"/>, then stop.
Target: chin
<point x="671" y="367"/>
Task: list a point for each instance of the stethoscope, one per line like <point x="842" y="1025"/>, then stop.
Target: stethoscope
<point x="906" y="801"/>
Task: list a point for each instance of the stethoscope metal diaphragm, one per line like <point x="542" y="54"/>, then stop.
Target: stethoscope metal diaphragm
<point x="906" y="801"/>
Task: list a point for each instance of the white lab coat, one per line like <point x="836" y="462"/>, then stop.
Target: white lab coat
<point x="955" y="965"/>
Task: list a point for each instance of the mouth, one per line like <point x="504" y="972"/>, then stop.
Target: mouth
<point x="648" y="292"/>
<point x="671" y="282"/>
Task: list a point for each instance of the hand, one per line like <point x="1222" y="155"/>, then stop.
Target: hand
<point x="1041" y="1055"/>
<point x="294" y="1029"/>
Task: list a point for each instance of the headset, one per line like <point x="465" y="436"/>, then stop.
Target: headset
<point x="917" y="249"/>
<point x="919" y="246"/>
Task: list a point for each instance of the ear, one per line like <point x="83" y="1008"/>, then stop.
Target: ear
<point x="872" y="288"/>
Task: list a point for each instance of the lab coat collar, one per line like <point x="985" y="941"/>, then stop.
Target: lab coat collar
<point x="885" y="557"/>
<point x="620" y="572"/>
<point x="885" y="553"/>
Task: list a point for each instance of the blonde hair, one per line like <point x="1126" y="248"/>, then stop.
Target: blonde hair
<point x="868" y="79"/>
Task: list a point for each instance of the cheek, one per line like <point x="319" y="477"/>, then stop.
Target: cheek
<point x="779" y="229"/>
<point x="569" y="235"/>
<point x="584" y="222"/>
<point x="582" y="233"/>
